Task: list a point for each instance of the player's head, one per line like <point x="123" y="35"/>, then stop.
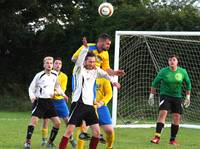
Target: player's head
<point x="57" y="65"/>
<point x="90" y="60"/>
<point x="104" y="42"/>
<point x="173" y="60"/>
<point x="48" y="63"/>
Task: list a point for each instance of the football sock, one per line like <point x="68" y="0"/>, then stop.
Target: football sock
<point x="63" y="142"/>
<point x="159" y="127"/>
<point x="110" y="140"/>
<point x="53" y="134"/>
<point x="93" y="143"/>
<point x="80" y="143"/>
<point x="44" y="133"/>
<point x="174" y="131"/>
<point x="30" y="130"/>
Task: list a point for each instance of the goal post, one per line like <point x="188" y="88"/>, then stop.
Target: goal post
<point x="142" y="54"/>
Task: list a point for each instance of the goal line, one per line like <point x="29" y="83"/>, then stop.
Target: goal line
<point x="154" y="125"/>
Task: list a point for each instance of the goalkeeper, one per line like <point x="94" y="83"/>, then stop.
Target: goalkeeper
<point x="171" y="79"/>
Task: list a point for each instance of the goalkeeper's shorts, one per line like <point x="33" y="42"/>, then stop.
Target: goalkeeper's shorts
<point x="172" y="104"/>
<point x="104" y="116"/>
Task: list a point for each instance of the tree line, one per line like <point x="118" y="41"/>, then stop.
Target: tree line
<point x="30" y="30"/>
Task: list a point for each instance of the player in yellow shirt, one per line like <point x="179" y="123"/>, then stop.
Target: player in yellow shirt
<point x="59" y="103"/>
<point x="100" y="49"/>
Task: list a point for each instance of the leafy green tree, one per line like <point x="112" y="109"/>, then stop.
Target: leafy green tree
<point x="30" y="30"/>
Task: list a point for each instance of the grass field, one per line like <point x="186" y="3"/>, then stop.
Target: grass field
<point x="13" y="131"/>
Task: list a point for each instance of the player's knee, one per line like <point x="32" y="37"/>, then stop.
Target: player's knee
<point x="57" y="124"/>
<point x="66" y="120"/>
<point x="162" y="116"/>
<point x="110" y="131"/>
<point x="69" y="131"/>
<point x="96" y="132"/>
<point x="34" y="121"/>
<point x="176" y="118"/>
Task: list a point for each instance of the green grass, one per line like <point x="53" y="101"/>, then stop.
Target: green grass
<point x="13" y="131"/>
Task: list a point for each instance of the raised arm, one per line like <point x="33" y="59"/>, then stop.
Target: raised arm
<point x="76" y="54"/>
<point x="82" y="55"/>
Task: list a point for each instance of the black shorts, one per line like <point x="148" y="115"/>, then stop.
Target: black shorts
<point x="79" y="112"/>
<point x="172" y="104"/>
<point x="43" y="108"/>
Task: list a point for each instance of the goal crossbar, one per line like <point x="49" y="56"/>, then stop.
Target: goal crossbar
<point x="158" y="33"/>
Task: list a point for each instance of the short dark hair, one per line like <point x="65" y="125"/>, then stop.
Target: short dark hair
<point x="58" y="58"/>
<point x="104" y="36"/>
<point x="90" y="54"/>
<point x="174" y="55"/>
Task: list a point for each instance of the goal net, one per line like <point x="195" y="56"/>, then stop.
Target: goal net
<point x="142" y="55"/>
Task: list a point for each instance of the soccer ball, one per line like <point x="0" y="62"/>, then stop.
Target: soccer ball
<point x="106" y="9"/>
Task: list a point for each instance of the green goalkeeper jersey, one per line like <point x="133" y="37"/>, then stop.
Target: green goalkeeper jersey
<point x="172" y="81"/>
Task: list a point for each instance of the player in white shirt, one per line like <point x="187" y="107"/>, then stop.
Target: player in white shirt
<point x="41" y="90"/>
<point x="84" y="94"/>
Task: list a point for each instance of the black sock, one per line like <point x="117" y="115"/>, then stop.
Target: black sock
<point x="30" y="130"/>
<point x="71" y="138"/>
<point x="53" y="134"/>
<point x="174" y="131"/>
<point x="159" y="127"/>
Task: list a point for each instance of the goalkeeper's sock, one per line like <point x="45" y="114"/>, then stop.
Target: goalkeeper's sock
<point x="44" y="133"/>
<point x="110" y="140"/>
<point x="53" y="134"/>
<point x="174" y="131"/>
<point x="80" y="143"/>
<point x="159" y="127"/>
<point x="30" y="130"/>
<point x="93" y="143"/>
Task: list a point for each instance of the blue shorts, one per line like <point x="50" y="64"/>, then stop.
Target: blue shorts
<point x="104" y="116"/>
<point x="61" y="108"/>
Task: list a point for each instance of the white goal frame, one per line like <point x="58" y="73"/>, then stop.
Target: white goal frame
<point x="116" y="67"/>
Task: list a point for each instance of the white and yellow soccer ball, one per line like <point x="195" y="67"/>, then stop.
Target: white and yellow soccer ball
<point x="105" y="9"/>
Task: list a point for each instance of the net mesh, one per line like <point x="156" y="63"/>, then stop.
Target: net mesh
<point x="142" y="56"/>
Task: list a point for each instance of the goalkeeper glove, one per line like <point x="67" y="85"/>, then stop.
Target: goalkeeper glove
<point x="151" y="99"/>
<point x="187" y="101"/>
